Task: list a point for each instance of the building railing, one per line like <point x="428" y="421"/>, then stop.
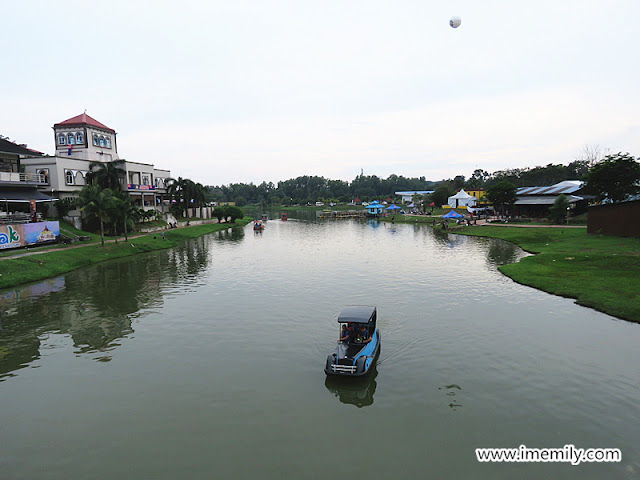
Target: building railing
<point x="18" y="217"/>
<point x="23" y="177"/>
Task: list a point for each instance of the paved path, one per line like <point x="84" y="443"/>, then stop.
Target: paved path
<point x="37" y="250"/>
<point x="526" y="225"/>
<point x="497" y="223"/>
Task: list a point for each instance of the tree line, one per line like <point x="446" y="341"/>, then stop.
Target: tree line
<point x="311" y="189"/>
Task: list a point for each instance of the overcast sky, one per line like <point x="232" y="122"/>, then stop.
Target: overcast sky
<point x="245" y="91"/>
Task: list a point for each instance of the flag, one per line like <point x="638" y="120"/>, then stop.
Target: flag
<point x="69" y="149"/>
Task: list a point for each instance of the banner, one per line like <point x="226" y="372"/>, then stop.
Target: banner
<point x="22" y="234"/>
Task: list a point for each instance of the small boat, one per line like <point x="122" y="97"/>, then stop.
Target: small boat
<point x="283" y="217"/>
<point x="258" y="225"/>
<point x="264" y="217"/>
<point x="354" y="356"/>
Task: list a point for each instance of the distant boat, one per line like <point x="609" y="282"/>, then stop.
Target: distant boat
<point x="283" y="217"/>
<point x="264" y="217"/>
<point x="258" y="225"/>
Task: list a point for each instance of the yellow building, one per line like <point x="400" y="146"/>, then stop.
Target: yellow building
<point x="478" y="193"/>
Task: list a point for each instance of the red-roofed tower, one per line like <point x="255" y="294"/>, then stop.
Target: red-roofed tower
<point x="85" y="138"/>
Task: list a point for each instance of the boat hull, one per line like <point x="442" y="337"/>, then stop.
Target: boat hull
<point x="348" y="361"/>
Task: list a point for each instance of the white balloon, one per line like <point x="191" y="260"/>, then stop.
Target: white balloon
<point x="455" y="22"/>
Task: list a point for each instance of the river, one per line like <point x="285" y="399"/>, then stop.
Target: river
<point x="206" y="361"/>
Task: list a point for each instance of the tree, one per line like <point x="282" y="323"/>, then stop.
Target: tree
<point x="106" y="174"/>
<point x="458" y="182"/>
<point x="229" y="213"/>
<point x="592" y="154"/>
<point x="502" y="194"/>
<point x="234" y="213"/>
<point x="616" y="178"/>
<point x="478" y="178"/>
<point x="559" y="210"/>
<point x="64" y="205"/>
<point x="182" y="191"/>
<point x="219" y="212"/>
<point x="199" y="197"/>
<point x="441" y="195"/>
<point x="126" y="211"/>
<point x="96" y="202"/>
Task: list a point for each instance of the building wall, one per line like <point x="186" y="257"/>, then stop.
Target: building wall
<point x="145" y="184"/>
<point x="57" y="173"/>
<point x="617" y="219"/>
<point x="86" y="150"/>
<point x="478" y="193"/>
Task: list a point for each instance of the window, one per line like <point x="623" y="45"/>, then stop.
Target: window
<point x="44" y="172"/>
<point x="95" y="140"/>
<point x="145" y="180"/>
<point x="62" y="139"/>
<point x="69" y="176"/>
<point x="71" y="139"/>
<point x="107" y="142"/>
<point x="79" y="138"/>
<point x="101" y="141"/>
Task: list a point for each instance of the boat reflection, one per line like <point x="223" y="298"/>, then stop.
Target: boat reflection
<point x="354" y="391"/>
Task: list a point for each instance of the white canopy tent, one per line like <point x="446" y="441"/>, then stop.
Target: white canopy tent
<point x="461" y="199"/>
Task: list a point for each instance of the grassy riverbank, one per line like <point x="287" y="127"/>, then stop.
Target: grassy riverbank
<point x="31" y="268"/>
<point x="601" y="272"/>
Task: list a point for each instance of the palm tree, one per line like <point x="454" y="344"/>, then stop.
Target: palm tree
<point x="188" y="193"/>
<point x="182" y="191"/>
<point x="124" y="209"/>
<point x="107" y="174"/>
<point x="96" y="202"/>
<point x="199" y="196"/>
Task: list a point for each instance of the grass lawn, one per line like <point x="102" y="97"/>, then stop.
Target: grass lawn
<point x="31" y="268"/>
<point x="601" y="272"/>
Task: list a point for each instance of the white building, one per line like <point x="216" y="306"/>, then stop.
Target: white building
<point x="81" y="140"/>
<point x="408" y="196"/>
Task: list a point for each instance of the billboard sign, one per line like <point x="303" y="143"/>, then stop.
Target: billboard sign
<point x="23" y="234"/>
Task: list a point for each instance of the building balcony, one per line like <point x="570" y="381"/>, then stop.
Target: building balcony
<point x="11" y="178"/>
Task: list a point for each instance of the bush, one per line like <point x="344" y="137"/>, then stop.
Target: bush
<point x="220" y="213"/>
<point x="234" y="213"/>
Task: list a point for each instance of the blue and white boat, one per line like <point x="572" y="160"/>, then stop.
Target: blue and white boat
<point x="355" y="355"/>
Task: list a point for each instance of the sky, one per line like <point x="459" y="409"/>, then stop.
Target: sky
<point x="267" y="90"/>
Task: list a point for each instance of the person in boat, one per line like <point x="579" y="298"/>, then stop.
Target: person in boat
<point x="344" y="333"/>
<point x="363" y="335"/>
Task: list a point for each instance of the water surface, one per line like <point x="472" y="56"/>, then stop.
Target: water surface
<point x="206" y="361"/>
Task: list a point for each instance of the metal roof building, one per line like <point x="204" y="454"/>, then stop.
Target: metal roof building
<point x="537" y="200"/>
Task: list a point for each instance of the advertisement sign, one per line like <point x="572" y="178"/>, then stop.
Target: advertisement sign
<point x="22" y="234"/>
<point x="135" y="186"/>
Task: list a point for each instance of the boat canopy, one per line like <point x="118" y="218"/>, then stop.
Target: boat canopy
<point x="357" y="314"/>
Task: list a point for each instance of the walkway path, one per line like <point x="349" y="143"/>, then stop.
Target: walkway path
<point x="527" y="225"/>
<point x="496" y="223"/>
<point x="37" y="250"/>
